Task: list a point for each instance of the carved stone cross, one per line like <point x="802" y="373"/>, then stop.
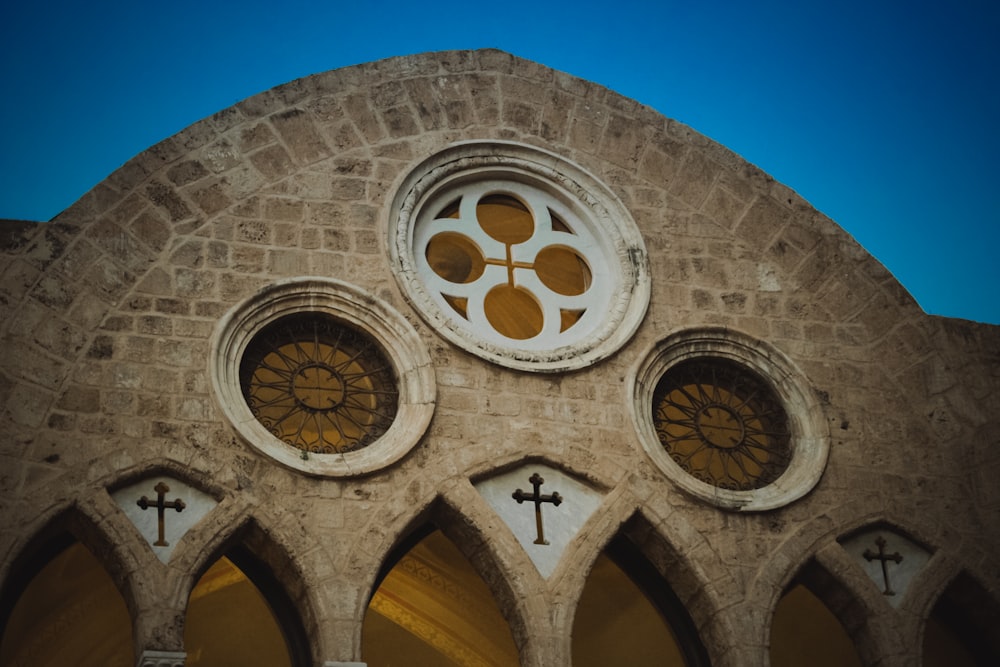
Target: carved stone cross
<point x="161" y="505"/>
<point x="537" y="498"/>
<point x="884" y="557"/>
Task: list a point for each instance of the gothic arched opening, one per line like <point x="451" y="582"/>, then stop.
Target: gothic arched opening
<point x="239" y="614"/>
<point x="68" y="612"/>
<point x="432" y="609"/>
<point x="961" y="629"/>
<point x="627" y="614"/>
<point x="808" y="625"/>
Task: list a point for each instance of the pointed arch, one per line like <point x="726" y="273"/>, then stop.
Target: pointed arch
<point x="65" y="599"/>
<point x="249" y="565"/>
<point x="650" y="627"/>
<point x="468" y="522"/>
<point x="960" y="630"/>
<point x="431" y="607"/>
<point x="685" y="567"/>
<point x="818" y="618"/>
<point x="65" y="525"/>
<point x="659" y="547"/>
<point x="253" y="545"/>
<point x="657" y="543"/>
<point x="237" y="611"/>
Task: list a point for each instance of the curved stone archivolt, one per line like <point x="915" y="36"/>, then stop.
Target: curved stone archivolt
<point x="107" y="316"/>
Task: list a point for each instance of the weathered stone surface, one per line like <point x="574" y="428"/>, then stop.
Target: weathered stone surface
<point x="108" y="323"/>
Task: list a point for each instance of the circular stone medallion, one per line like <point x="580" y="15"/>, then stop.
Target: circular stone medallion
<point x="323" y="377"/>
<point x="519" y="256"/>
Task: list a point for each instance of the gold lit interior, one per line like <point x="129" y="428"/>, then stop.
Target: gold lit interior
<point x="71" y="613"/>
<point x="319" y="385"/>
<point x="722" y="424"/>
<point x="510" y="309"/>
<point x="433" y="610"/>
<point x="230" y="624"/>
<point x="805" y="632"/>
<point x="616" y="624"/>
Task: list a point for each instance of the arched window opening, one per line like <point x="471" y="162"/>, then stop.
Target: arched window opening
<point x="961" y="630"/>
<point x="238" y="614"/>
<point x="628" y="615"/>
<point x="805" y="632"/>
<point x="432" y="609"/>
<point x="68" y="613"/>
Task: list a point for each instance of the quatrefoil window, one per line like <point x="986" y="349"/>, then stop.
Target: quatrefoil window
<point x="508" y="262"/>
<point x="519" y="256"/>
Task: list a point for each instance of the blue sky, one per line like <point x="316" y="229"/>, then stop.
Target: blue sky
<point x="883" y="115"/>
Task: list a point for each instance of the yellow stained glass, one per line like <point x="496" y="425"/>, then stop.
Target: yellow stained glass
<point x="562" y="270"/>
<point x="455" y="258"/>
<point x="505" y="219"/>
<point x="513" y="312"/>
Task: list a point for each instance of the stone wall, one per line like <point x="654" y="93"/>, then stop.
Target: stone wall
<point x="108" y="313"/>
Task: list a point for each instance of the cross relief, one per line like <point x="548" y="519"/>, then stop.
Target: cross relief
<point x="538" y="498"/>
<point x="164" y="516"/>
<point x="161" y="505"/>
<point x="560" y="505"/>
<point x="891" y="560"/>
<point x="882" y="556"/>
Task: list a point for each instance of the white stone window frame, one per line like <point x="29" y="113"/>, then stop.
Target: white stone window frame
<point x="348" y="303"/>
<point x="606" y="237"/>
<point x="810" y="439"/>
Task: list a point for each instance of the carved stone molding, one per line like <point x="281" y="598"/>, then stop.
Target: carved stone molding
<point x="573" y="214"/>
<point x="161" y="659"/>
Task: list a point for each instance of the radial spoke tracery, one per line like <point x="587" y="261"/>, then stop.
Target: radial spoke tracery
<point x="318" y="384"/>
<point x="722" y="424"/>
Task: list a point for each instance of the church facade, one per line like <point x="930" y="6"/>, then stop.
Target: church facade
<point x="456" y="359"/>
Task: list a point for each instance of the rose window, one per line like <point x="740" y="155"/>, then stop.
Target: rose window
<point x="722" y="424"/>
<point x="729" y="419"/>
<point x="322" y="377"/>
<point x="318" y="384"/>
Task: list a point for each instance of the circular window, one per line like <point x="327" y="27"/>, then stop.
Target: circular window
<point x="721" y="423"/>
<point x="730" y="420"/>
<point x="323" y="377"/>
<point x="519" y="256"/>
<point x="319" y="384"/>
